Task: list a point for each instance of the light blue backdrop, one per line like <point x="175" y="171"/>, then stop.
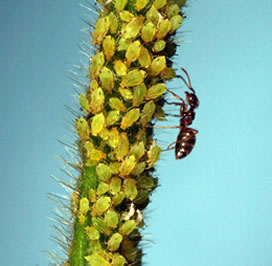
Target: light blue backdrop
<point x="213" y="208"/>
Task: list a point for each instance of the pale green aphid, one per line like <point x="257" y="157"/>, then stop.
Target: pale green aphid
<point x="100" y="225"/>
<point x="155" y="91"/>
<point x="176" y="22"/>
<point x="101" y="29"/>
<point x="114" y="242"/>
<point x="92" y="195"/>
<point x="119" y="67"/>
<point x="97" y="100"/>
<point x="113" y="117"/>
<point x="159" y="46"/>
<point x="127" y="227"/>
<point x="133" y="51"/>
<point x="118" y="260"/>
<point x="113" y="137"/>
<point x="101" y="205"/>
<point x="172" y="10"/>
<point x="132" y="29"/>
<point x="127" y="165"/>
<point x="118" y="198"/>
<point x="97" y="63"/>
<point x="157" y="65"/>
<point x="139" y="168"/>
<point x="153" y="154"/>
<point x="146" y="182"/>
<point x="130" y="188"/>
<point x="130" y="118"/>
<point x="83" y="206"/>
<point x="115" y="185"/>
<point x="158" y="4"/>
<point x="153" y="15"/>
<point x="92" y="233"/>
<point x="133" y="78"/>
<point x="82" y="128"/>
<point x="139" y="94"/>
<point x="94" y="247"/>
<point x="144" y="58"/>
<point x="92" y="153"/>
<point x="111" y="219"/>
<point x="140" y="4"/>
<point x="114" y="168"/>
<point x="113" y="23"/>
<point x="107" y="79"/>
<point x="164" y="28"/>
<point x="84" y="103"/>
<point x="120" y="5"/>
<point x="148" y="32"/>
<point x="126" y="16"/>
<point x="97" y="260"/>
<point x="123" y="44"/>
<point x="147" y="113"/>
<point x="123" y="146"/>
<point x="103" y="172"/>
<point x="138" y="150"/>
<point x="126" y="93"/>
<point x="109" y="47"/>
<point x="97" y="124"/>
<point x="102" y="188"/>
<point x="117" y="104"/>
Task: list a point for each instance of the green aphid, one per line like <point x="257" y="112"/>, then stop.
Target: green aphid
<point x="142" y="197"/>
<point x="127" y="166"/>
<point x="120" y="5"/>
<point x="116" y="104"/>
<point x="130" y="188"/>
<point x="126" y="93"/>
<point x="139" y="168"/>
<point x="118" y="260"/>
<point x="141" y="135"/>
<point x="112" y="117"/>
<point x="119" y="67"/>
<point x="146" y="182"/>
<point x="144" y="58"/>
<point x="138" y="150"/>
<point x="176" y="22"/>
<point x="147" y="113"/>
<point x="96" y="260"/>
<point x="111" y="219"/>
<point x="168" y="73"/>
<point x="82" y="128"/>
<point x="130" y="118"/>
<point x="83" y="206"/>
<point x="155" y="91"/>
<point x="92" y="195"/>
<point x="139" y="94"/>
<point x="164" y="27"/>
<point x="159" y="46"/>
<point x="153" y="15"/>
<point x="157" y="65"/>
<point x="115" y="185"/>
<point x="113" y="138"/>
<point x="102" y="188"/>
<point x="100" y="225"/>
<point x="180" y="3"/>
<point x="84" y="103"/>
<point x="103" y="172"/>
<point x="94" y="247"/>
<point x="148" y="32"/>
<point x="118" y="198"/>
<point x="113" y="23"/>
<point x="123" y="146"/>
<point x="153" y="154"/>
<point x="92" y="233"/>
<point x="109" y="46"/>
<point x="127" y="227"/>
<point x="97" y="100"/>
<point x="129" y="250"/>
<point x="114" y="242"/>
<point x="133" y="78"/>
<point x="114" y="167"/>
<point x="126" y="16"/>
<point x="107" y="79"/>
<point x="101" y="29"/>
<point x="132" y="29"/>
<point x="97" y="63"/>
<point x="158" y="4"/>
<point x="140" y="4"/>
<point x="133" y="51"/>
<point x="97" y="124"/>
<point x="101" y="205"/>
<point x="159" y="113"/>
<point x="123" y="44"/>
<point x="172" y="10"/>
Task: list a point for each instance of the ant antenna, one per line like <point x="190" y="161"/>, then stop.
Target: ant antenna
<point x="189" y="85"/>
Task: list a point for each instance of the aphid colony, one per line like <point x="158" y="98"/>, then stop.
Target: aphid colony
<point x="134" y="41"/>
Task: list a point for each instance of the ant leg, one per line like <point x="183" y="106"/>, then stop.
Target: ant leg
<point x="158" y="126"/>
<point x="175" y="95"/>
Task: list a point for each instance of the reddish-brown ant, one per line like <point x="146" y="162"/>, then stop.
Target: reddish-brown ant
<point x="187" y="136"/>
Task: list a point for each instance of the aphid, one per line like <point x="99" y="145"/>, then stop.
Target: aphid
<point x="153" y="154"/>
<point x="113" y="137"/>
<point x="109" y="46"/>
<point x="115" y="241"/>
<point x="144" y="58"/>
<point x="148" y="32"/>
<point x="157" y="65"/>
<point x="117" y="104"/>
<point x="97" y="100"/>
<point x="159" y="3"/>
<point x="101" y="206"/>
<point x="120" y="68"/>
<point x="97" y="125"/>
<point x="155" y="91"/>
<point x="132" y="29"/>
<point x="92" y="233"/>
<point x="96" y="260"/>
<point x="126" y="16"/>
<point x="164" y="28"/>
<point x="147" y="113"/>
<point x="123" y="146"/>
<point x="133" y="78"/>
<point x="133" y="51"/>
<point x="138" y="150"/>
<point x="118" y="198"/>
<point x="159" y="46"/>
<point x="127" y="227"/>
<point x="84" y="103"/>
<point x="140" y="4"/>
<point x="130" y="118"/>
<point x="97" y="63"/>
<point x="82" y="128"/>
<point x="111" y="219"/>
<point x="103" y="172"/>
<point x="113" y="117"/>
<point x="176" y="22"/>
<point x="101" y="29"/>
<point x="130" y="188"/>
<point x="138" y="94"/>
<point x="127" y="165"/>
<point x="102" y="188"/>
<point x="107" y="79"/>
<point x="120" y="4"/>
<point x="118" y="260"/>
<point x="126" y="93"/>
<point x="115" y="185"/>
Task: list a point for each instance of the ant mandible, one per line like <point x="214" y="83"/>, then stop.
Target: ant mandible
<point x="187" y="136"/>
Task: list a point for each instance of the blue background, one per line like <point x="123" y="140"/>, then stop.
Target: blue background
<point x="213" y="208"/>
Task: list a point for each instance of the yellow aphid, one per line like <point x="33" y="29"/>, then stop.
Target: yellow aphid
<point x="138" y="150"/>
<point x="148" y="32"/>
<point x="120" y="68"/>
<point x="107" y="79"/>
<point x="113" y="117"/>
<point x="103" y="172"/>
<point x="115" y="241"/>
<point x="157" y="65"/>
<point x="133" y="51"/>
<point x="102" y="188"/>
<point x="144" y="58"/>
<point x="104" y="134"/>
<point x="114" y="168"/>
<point x="130" y="188"/>
<point x="94" y="84"/>
<point x="133" y="78"/>
<point x="126" y="93"/>
<point x="138" y="94"/>
<point x="153" y="154"/>
<point x="113" y="23"/>
<point x="111" y="219"/>
<point x="92" y="233"/>
<point x="92" y="153"/>
<point x="164" y="28"/>
<point x="122" y="147"/>
<point x="118" y="198"/>
<point x="127" y="227"/>
<point x="82" y="128"/>
<point x="147" y="113"/>
<point x="127" y="165"/>
<point x="97" y="125"/>
<point x="130" y="118"/>
<point x="158" y="4"/>
<point x="82" y="218"/>
<point x="83" y="206"/>
<point x="159" y="46"/>
<point x="97" y="100"/>
<point x="109" y="47"/>
<point x="101" y="29"/>
<point x="126" y="16"/>
<point x="153" y="15"/>
<point x="176" y="22"/>
<point x="132" y="29"/>
<point x="172" y="10"/>
<point x="155" y="91"/>
<point x="120" y="5"/>
<point x="117" y="104"/>
<point x="115" y="185"/>
<point x="84" y="103"/>
<point x="118" y="260"/>
<point x="123" y="44"/>
<point x="138" y="169"/>
<point x="140" y="4"/>
<point x="101" y="205"/>
<point x="92" y="195"/>
<point x="113" y="138"/>
<point x="97" y="63"/>
<point x="96" y="260"/>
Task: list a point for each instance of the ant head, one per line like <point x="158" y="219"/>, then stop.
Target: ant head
<point x="192" y="99"/>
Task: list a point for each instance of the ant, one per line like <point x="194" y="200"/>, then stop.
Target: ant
<point x="187" y="136"/>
